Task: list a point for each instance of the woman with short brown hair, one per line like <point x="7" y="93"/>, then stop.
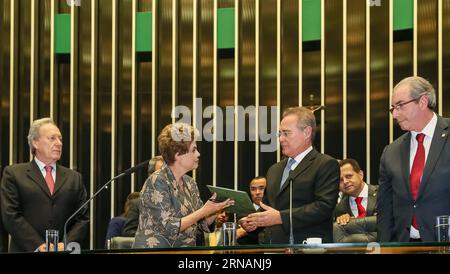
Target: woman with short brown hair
<point x="171" y="208"/>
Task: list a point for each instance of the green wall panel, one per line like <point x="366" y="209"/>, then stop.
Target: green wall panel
<point x="403" y="14"/>
<point x="225" y="28"/>
<point x="144" y="32"/>
<point x="62" y="33"/>
<point x="311" y="23"/>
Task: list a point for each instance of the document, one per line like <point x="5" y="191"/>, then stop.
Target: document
<point x="242" y="203"/>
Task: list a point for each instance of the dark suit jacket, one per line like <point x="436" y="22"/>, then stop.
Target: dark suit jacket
<point x="28" y="209"/>
<point x="115" y="227"/>
<point x="343" y="207"/>
<point x="132" y="219"/>
<point x="395" y="203"/>
<point x="3" y="234"/>
<point x="3" y="238"/>
<point x="252" y="238"/>
<point x="315" y="191"/>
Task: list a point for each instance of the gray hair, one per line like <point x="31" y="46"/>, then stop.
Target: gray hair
<point x="33" y="134"/>
<point x="420" y="87"/>
<point x="305" y="118"/>
<point x="152" y="163"/>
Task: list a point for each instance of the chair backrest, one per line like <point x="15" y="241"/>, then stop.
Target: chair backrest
<point x="122" y="242"/>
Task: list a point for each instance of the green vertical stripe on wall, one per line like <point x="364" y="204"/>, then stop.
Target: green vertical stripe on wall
<point x="225" y="28"/>
<point x="403" y="14"/>
<point x="144" y="32"/>
<point x="311" y="23"/>
<point x="62" y="33"/>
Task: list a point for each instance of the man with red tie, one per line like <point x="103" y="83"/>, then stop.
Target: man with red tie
<point x="356" y="212"/>
<point x="414" y="184"/>
<point x="41" y="194"/>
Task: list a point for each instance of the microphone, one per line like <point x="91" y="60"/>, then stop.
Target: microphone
<point x="291" y="231"/>
<point x="126" y="172"/>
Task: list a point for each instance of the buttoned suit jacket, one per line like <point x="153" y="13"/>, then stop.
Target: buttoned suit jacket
<point x="395" y="203"/>
<point x="28" y="208"/>
<point x="315" y="186"/>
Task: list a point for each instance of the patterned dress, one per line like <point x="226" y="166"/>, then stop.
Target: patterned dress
<point x="162" y="206"/>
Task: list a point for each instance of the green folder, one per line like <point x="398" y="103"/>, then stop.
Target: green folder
<point x="242" y="203"/>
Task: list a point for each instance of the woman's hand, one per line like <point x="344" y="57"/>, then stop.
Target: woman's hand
<point x="207" y="211"/>
<point x="211" y="206"/>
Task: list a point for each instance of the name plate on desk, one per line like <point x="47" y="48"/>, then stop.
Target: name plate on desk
<point x="242" y="203"/>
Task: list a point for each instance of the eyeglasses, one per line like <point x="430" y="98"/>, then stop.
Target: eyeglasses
<point x="287" y="133"/>
<point x="284" y="133"/>
<point x="399" y="106"/>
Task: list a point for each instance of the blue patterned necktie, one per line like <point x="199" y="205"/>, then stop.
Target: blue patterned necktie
<point x="286" y="171"/>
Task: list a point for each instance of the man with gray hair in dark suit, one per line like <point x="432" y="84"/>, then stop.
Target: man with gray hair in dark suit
<point x="414" y="169"/>
<point x="42" y="194"/>
<point x="308" y="176"/>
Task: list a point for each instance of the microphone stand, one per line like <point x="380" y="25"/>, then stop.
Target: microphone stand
<point x="290" y="249"/>
<point x="126" y="172"/>
<point x="291" y="231"/>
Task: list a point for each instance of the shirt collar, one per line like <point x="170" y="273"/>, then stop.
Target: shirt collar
<point x="256" y="206"/>
<point x="428" y="130"/>
<point x="300" y="157"/>
<point x="41" y="165"/>
<point x="364" y="192"/>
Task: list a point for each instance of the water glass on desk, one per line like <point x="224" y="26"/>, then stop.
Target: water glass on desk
<point x="229" y="234"/>
<point x="51" y="240"/>
<point x="442" y="228"/>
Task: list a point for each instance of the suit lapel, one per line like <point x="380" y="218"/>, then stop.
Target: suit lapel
<point x="437" y="144"/>
<point x="35" y="175"/>
<point x="274" y="189"/>
<point x="61" y="178"/>
<point x="404" y="156"/>
<point x="346" y="201"/>
<point x="304" y="164"/>
<point x="371" y="200"/>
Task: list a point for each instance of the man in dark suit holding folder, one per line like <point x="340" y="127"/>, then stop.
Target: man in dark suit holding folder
<point x="315" y="185"/>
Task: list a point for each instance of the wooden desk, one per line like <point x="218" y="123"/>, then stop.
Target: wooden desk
<point x="372" y="248"/>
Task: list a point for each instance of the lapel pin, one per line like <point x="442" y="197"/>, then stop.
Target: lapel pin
<point x="443" y="135"/>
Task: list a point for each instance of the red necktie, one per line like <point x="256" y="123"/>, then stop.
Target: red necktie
<point x="49" y="178"/>
<point x="417" y="171"/>
<point x="361" y="209"/>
